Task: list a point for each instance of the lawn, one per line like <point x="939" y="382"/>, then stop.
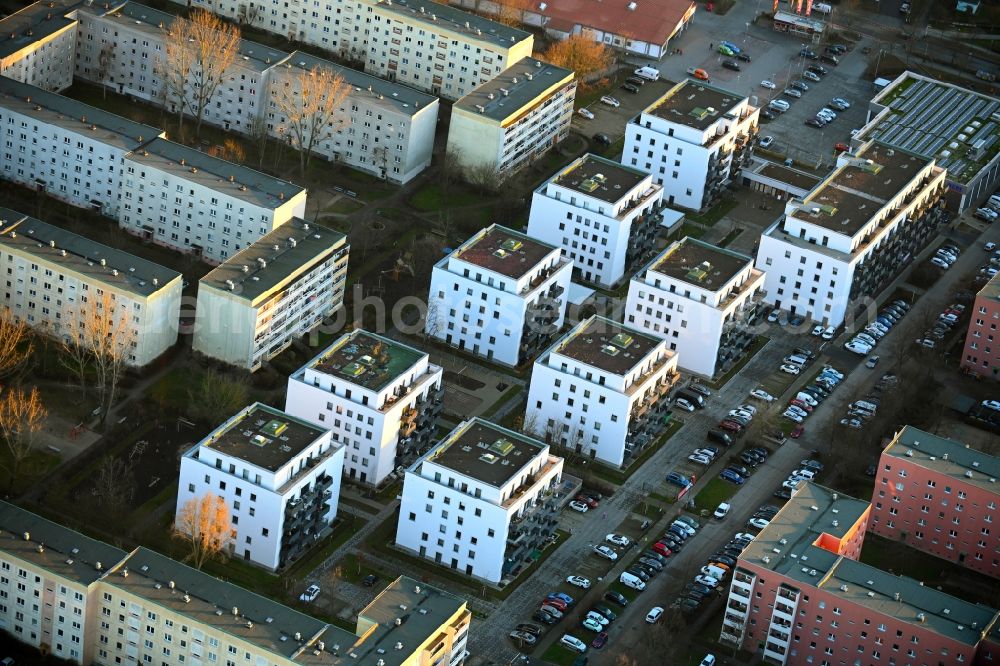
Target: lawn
<point x="345" y="206"/>
<point x="353" y="569"/>
<point x="713" y="214"/>
<point x="33" y="468"/>
<point x="688" y="229"/>
<point x="560" y="655"/>
<point x="432" y="197"/>
<point x="714" y="492"/>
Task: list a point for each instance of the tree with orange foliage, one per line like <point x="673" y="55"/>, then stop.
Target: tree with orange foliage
<point x="22" y="415"/>
<point x="581" y="54"/>
<point x="205" y="525"/>
<point x="15" y="344"/>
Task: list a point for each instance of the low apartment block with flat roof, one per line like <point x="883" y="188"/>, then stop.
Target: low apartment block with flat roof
<point x="695" y="140"/>
<point x="72" y="151"/>
<point x="480" y="501"/>
<point x="49" y="581"/>
<point x="57" y="280"/>
<point x="512" y="119"/>
<point x="380" y="398"/>
<point x="387" y="129"/>
<point x="799" y="591"/>
<point x="603" y="215"/>
<point x="278" y="474"/>
<point x="192" y="202"/>
<point x="79" y="595"/>
<point x="37" y="44"/>
<point x="702" y="299"/>
<point x="282" y="286"/>
<point x="602" y="391"/>
<point x="981" y="356"/>
<point x="850" y="236"/>
<point x="939" y="496"/>
<point x="501" y="295"/>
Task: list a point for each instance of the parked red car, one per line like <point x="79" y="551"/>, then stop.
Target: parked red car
<point x="662" y="549"/>
<point x="842" y="148"/>
<point x="797" y="431"/>
<point x="556" y="603"/>
<point x="731" y="426"/>
<point x="589" y="501"/>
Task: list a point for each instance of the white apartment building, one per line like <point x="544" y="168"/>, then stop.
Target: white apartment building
<point x="72" y="151"/>
<point x="694" y="140"/>
<point x="279" y="475"/>
<point x="514" y="118"/>
<point x="37" y="44"/>
<point x="380" y="398"/>
<point x="602" y="391"/>
<point x="189" y="201"/>
<point x="89" y="603"/>
<point x="851" y="235"/>
<point x="49" y="580"/>
<point x="252" y="306"/>
<point x="429" y="46"/>
<point x="480" y="501"/>
<point x="501" y="295"/>
<point x="122" y="48"/>
<point x="386" y="129"/>
<point x="53" y="278"/>
<point x="603" y="215"/>
<point x="702" y="299"/>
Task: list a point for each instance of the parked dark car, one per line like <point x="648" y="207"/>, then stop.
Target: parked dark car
<point x="731" y="64"/>
<point x="703" y="391"/>
<point x="636" y="81"/>
<point x="370" y="580"/>
<point x="807" y="53"/>
<point x="543" y="617"/>
<point x="818" y="69"/>
<point x="628" y="87"/>
<point x="616" y="598"/>
<point x="602" y="139"/>
<point x="743" y="56"/>
<point x="606" y="611"/>
<point x="830" y="59"/>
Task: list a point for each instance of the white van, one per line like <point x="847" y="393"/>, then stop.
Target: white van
<point x="631" y="581"/>
<point x="868" y="406"/>
<point x="796" y="359"/>
<point x="822" y="8"/>
<point x="648" y="73"/>
<point x="713" y="571"/>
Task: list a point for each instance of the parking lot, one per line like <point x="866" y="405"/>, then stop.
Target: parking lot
<point x="610" y="120"/>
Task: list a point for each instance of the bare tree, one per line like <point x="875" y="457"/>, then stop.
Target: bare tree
<point x="216" y="397"/>
<point x="104" y="330"/>
<point x="204" y="524"/>
<point x="310" y="102"/>
<point x="105" y="63"/>
<point x="199" y="52"/>
<point x="114" y="486"/>
<point x="22" y="415"/>
<point x="15" y="344"/>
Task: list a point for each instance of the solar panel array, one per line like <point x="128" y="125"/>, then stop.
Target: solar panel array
<point x="928" y="117"/>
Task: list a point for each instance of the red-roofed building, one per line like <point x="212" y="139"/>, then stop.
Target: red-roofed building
<point x="642" y="27"/>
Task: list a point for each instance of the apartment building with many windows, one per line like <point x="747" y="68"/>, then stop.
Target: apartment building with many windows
<point x="981" y="355"/>
<point x="55" y="281"/>
<point x="90" y="603"/>
<point x="480" y="501"/>
<point x="380" y="398"/>
<point x="253" y="305"/>
<point x="695" y="140"/>
<point x="279" y="476"/>
<point x="702" y="299"/>
<point x="602" y="391"/>
<point x="512" y="119"/>
<point x="124" y="48"/>
<point x="799" y="592"/>
<point x="384" y="128"/>
<point x="192" y="202"/>
<point x="37" y="44"/>
<point x="49" y="580"/>
<point x="603" y="215"/>
<point x="70" y="150"/>
<point x="851" y="235"/>
<point x="939" y="496"/>
<point x="501" y="295"/>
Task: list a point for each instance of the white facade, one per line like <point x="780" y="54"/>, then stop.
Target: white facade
<point x="441" y="50"/>
<point x="71" y="150"/>
<point x="279" y="476"/>
<point x="849" y="237"/>
<point x="700" y="298"/>
<point x="514" y="118"/>
<point x="380" y="398"/>
<point x="385" y="129"/>
<point x="480" y="501"/>
<point x="603" y="215"/>
<point x="254" y="305"/>
<point x="182" y="198"/>
<point x="501" y="295"/>
<point x="37" y="45"/>
<point x="693" y="140"/>
<point x="602" y="391"/>
<point x="55" y="279"/>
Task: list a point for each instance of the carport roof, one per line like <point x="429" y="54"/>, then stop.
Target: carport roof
<point x="694" y="104"/>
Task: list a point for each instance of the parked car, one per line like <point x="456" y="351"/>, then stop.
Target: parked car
<point x="653" y="616"/>
<point x="678" y="479"/>
<point x="523" y="637"/>
<point x="766" y="141"/>
<point x="616" y="598"/>
<point x="602" y="139"/>
<point x="722" y="510"/>
<point x="579" y="581"/>
<point x="606" y="552"/>
<point x="731" y="476"/>
<point x="610" y="101"/>
<point x="618" y="539"/>
<point x="767" y="83"/>
<point x="586" y="113"/>
<point x="310" y="594"/>
<point x="811" y="75"/>
<point x="731" y="64"/>
<point x="790" y="369"/>
<point x="573" y="643"/>
<point x="579" y="506"/>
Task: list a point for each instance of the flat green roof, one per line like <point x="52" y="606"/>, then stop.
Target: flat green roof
<point x="274" y="258"/>
<point x="366" y="359"/>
